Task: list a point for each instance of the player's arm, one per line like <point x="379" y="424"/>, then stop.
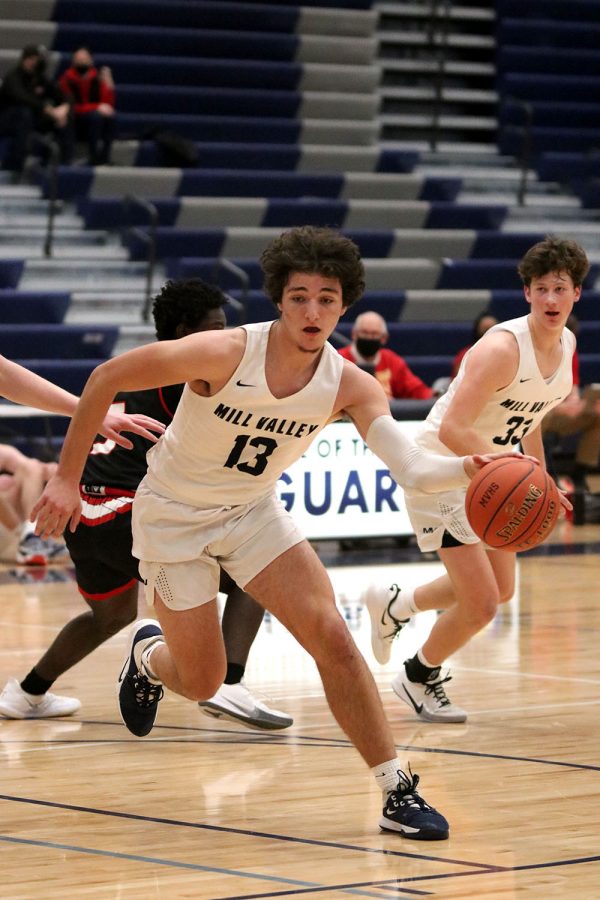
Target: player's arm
<point x="208" y="356"/>
<point x="28" y="389"/>
<point x="492" y="364"/>
<point x="362" y="398"/>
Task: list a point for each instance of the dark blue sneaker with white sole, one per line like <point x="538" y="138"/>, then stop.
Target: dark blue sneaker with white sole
<point x="407" y="812"/>
<point x="139" y="695"/>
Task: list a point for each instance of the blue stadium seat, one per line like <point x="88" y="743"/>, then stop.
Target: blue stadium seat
<point x="11" y="271"/>
<point x="69" y="374"/>
<point x="63" y="342"/>
<point x="219" y="44"/>
<point x="33" y="306"/>
<point x="199" y="14"/>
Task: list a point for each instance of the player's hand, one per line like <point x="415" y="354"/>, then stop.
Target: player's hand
<point x="116" y="422"/>
<point x="565" y="503"/>
<point x="58" y="506"/>
<point x="473" y="464"/>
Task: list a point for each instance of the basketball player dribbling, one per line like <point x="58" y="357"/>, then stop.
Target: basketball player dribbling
<point x="507" y="382"/>
<point x="255" y="398"/>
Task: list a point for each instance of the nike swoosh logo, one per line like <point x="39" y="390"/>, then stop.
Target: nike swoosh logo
<point x="418" y="707"/>
<point x="242" y="384"/>
<point x="523" y="380"/>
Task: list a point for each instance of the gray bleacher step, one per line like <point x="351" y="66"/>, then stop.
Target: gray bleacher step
<point x="421" y="39"/>
<point x="17" y="232"/>
<point x="577" y="218"/>
<point x="75" y="274"/>
<point x="444" y="305"/>
<point x="426" y="66"/>
<point x="84" y="255"/>
<point x="426" y="94"/>
<point x="423" y="10"/>
<point x="20" y="192"/>
<point x="131" y="336"/>
<point x="546" y="202"/>
<point x="110" y="306"/>
<point x="426" y="120"/>
<point x="37" y="219"/>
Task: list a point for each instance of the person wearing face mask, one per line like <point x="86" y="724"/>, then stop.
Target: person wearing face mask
<point x="368" y="351"/>
<point x="92" y="92"/>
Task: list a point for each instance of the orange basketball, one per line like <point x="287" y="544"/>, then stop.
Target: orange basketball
<point x="512" y="504"/>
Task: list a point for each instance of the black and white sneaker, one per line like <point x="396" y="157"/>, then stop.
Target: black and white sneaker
<point x="408" y="813"/>
<point x="428" y="699"/>
<point x="137" y="693"/>
<point x="385" y="624"/>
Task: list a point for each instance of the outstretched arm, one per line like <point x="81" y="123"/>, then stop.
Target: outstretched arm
<point x="409" y="465"/>
<point x="28" y="389"/>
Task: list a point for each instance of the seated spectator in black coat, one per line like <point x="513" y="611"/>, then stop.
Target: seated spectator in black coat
<point x="29" y="103"/>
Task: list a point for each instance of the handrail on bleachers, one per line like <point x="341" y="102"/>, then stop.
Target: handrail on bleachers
<point x="149" y="238"/>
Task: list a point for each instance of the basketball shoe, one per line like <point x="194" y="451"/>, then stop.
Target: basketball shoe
<point x="235" y="702"/>
<point x="428" y="699"/>
<point x="138" y="693"/>
<point x="15" y="703"/>
<point x="388" y="615"/>
<point x="35" y="551"/>
<point x="407" y="812"/>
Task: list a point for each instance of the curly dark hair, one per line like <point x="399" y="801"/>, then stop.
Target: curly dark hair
<point x="313" y="250"/>
<point x="185" y="302"/>
<point x="554" y="255"/>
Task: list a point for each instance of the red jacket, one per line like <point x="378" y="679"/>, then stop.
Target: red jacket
<point x="87" y="91"/>
<point x="396" y="379"/>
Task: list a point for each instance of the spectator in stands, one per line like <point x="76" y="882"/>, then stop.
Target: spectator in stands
<point x="29" y="103"/>
<point x="22" y="480"/>
<point x="92" y="92"/>
<point x="482" y="323"/>
<point x="577" y="414"/>
<point x="369" y="336"/>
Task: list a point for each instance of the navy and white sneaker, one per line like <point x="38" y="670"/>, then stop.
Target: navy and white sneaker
<point x="138" y="694"/>
<point x="407" y="812"/>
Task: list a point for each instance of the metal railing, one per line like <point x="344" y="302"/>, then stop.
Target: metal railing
<point x="240" y="306"/>
<point x="148" y="238"/>
<point x="53" y="203"/>
<point x="437" y="31"/>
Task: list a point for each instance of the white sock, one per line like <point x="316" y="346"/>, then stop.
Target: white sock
<point x="386" y="775"/>
<point x="26" y="528"/>
<point x="404" y="604"/>
<point x="145" y="655"/>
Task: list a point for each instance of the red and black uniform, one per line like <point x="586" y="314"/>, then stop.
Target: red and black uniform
<point x="100" y="547"/>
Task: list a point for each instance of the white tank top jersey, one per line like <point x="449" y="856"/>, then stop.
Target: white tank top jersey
<point x="517" y="408"/>
<point x="231" y="448"/>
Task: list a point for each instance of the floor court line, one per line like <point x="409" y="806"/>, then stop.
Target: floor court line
<point x="285" y="838"/>
<point x="411" y="748"/>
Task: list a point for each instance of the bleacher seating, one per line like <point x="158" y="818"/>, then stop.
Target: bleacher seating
<point x="281" y="102"/>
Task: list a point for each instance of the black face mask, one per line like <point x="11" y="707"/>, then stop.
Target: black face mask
<point x="368" y="347"/>
<point x="82" y="70"/>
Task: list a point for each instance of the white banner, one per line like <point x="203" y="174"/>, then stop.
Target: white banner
<point x="339" y="489"/>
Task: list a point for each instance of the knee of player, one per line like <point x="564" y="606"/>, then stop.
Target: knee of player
<point x="334" y="639"/>
<point x="483" y="611"/>
<point x="202" y="684"/>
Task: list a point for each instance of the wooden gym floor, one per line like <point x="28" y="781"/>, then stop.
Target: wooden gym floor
<point x="203" y="809"/>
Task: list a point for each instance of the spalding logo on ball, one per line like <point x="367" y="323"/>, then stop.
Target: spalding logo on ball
<point x="512" y="504"/>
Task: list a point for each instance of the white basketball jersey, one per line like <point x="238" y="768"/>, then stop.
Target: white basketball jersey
<point x="230" y="449"/>
<point x="517" y="408"/>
